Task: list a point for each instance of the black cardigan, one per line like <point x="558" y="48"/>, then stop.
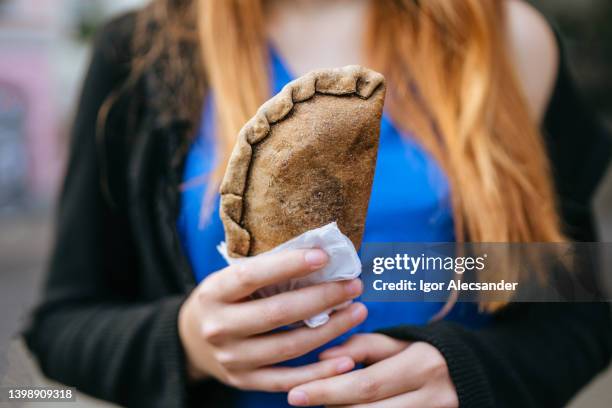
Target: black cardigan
<point x="107" y="322"/>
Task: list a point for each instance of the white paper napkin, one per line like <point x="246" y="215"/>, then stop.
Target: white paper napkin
<point x="343" y="264"/>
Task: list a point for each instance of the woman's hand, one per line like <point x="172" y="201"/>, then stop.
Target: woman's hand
<point x="400" y="375"/>
<point x="226" y="335"/>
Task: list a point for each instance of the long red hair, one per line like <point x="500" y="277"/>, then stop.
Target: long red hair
<point x="451" y="84"/>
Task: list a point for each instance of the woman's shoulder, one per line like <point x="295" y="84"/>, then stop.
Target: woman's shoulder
<point x="535" y="52"/>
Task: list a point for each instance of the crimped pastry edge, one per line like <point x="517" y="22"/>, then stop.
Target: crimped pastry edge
<point x="348" y="80"/>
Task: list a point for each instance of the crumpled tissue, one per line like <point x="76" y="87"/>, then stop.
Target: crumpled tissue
<point x="343" y="264"/>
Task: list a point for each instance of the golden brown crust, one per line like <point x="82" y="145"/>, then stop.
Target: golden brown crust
<point x="332" y="100"/>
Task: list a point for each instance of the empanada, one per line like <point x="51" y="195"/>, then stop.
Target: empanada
<point x="305" y="159"/>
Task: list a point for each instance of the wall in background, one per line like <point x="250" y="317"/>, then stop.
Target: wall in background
<point x="44" y="52"/>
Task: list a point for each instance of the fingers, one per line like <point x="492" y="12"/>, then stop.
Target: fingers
<point x="263" y="315"/>
<point x="241" y="280"/>
<point x="282" y="379"/>
<point x="428" y="396"/>
<point x="382" y="380"/>
<point x="415" y="399"/>
<point x="366" y="348"/>
<point x="274" y="348"/>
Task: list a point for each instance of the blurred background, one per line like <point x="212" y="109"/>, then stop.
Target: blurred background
<point x="44" y="50"/>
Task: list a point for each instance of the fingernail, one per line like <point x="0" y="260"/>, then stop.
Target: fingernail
<point x="353" y="287"/>
<point x="345" y="365"/>
<point x="358" y="312"/>
<point x="315" y="257"/>
<point x="298" y="398"/>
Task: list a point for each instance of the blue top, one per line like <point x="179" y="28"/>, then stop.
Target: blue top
<point x="409" y="203"/>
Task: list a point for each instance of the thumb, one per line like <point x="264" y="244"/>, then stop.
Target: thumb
<point x="366" y="348"/>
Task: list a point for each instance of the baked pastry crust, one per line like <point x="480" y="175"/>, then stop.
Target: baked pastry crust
<point x="305" y="159"/>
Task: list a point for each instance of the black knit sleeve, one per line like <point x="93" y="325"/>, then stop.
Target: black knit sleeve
<point x="92" y="330"/>
<point x="539" y="354"/>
